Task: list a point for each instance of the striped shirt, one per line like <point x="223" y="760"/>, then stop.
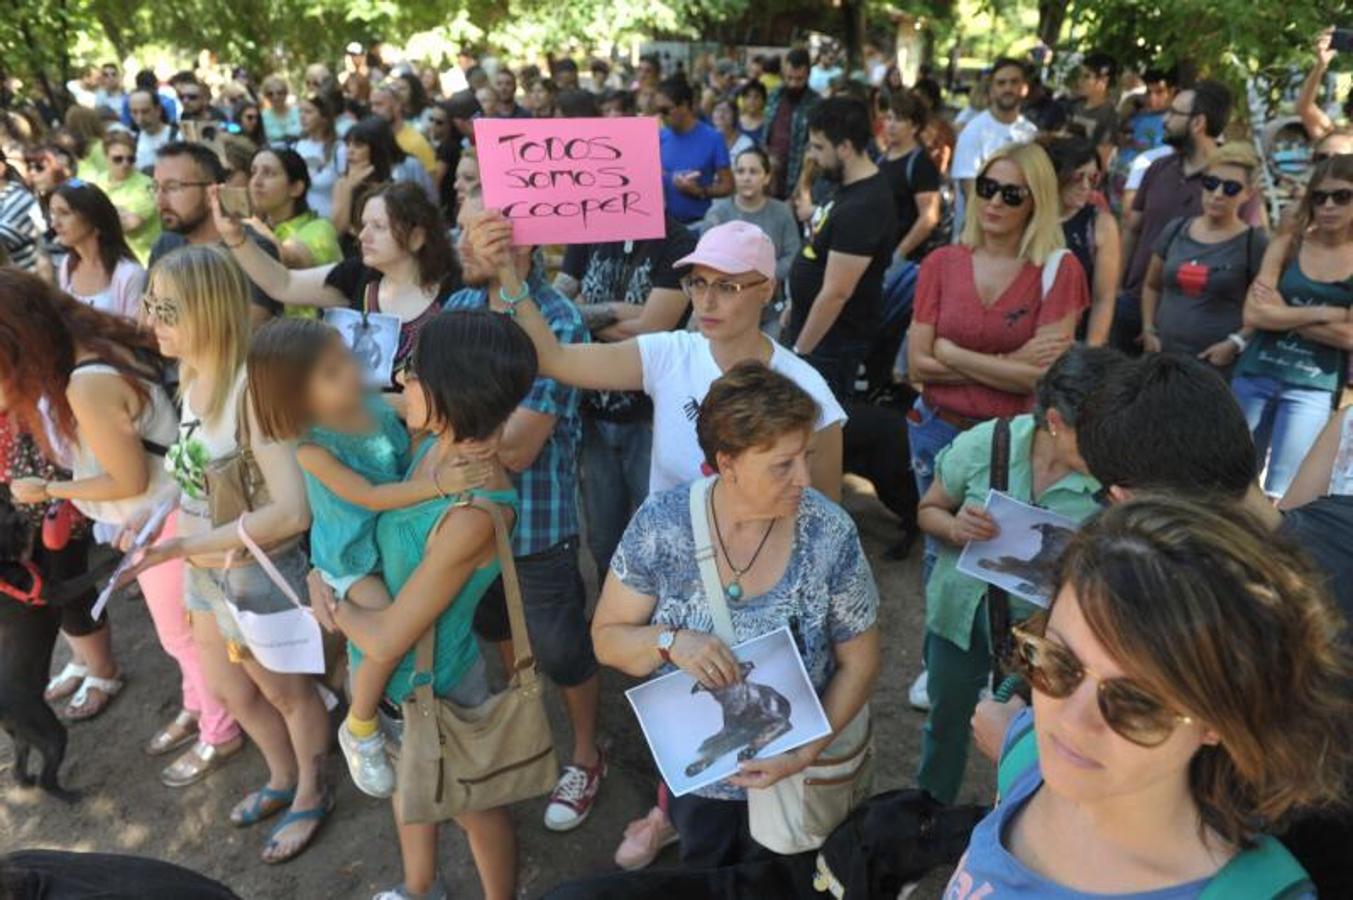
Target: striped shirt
<point x="548" y="489"/>
<point x="21" y="224"/>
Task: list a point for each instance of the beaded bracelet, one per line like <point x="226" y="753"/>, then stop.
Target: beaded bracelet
<point x="513" y="300"/>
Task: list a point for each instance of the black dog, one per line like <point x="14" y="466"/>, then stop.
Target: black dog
<point x="29" y="621"/>
<point x="1038" y="574"/>
<point x="890" y="841"/>
<point x="753" y="716"/>
<point x="876" y="448"/>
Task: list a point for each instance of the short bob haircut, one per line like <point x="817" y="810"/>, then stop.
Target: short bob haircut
<point x="751" y="406"/>
<point x="474" y="367"/>
<point x="907" y="106"/>
<point x="282" y="356"/>
<point x="1043" y="231"/>
<point x="1248" y="644"/>
<point x="1070" y="379"/>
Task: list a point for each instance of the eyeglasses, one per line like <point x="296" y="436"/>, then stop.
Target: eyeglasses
<point x="724" y="290"/>
<point x="1011" y="194"/>
<point x="161" y="309"/>
<point x="36" y="165"/>
<point x="1133" y="713"/>
<point x="1230" y="187"/>
<point x="1089" y="179"/>
<point x="1339" y="196"/>
<point x="173" y="187"/>
<point x="121" y="160"/>
<point x="190" y="97"/>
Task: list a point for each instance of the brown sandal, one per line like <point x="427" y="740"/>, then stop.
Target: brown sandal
<point x="200" y="761"/>
<point x="179" y="733"/>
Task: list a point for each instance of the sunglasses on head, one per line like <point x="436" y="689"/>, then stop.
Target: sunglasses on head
<point x="1131" y="711"/>
<point x="1229" y="187"/>
<point x="162" y="309"/>
<point x="1339" y="197"/>
<point x="1011" y="194"/>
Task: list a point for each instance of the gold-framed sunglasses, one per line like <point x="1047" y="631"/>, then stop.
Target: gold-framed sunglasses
<point x="1131" y="711"/>
<point x="162" y="309"/>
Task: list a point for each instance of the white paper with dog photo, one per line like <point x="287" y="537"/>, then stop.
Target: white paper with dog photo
<point x="688" y="728"/>
<point x="1022" y="559"/>
<point x="372" y="337"/>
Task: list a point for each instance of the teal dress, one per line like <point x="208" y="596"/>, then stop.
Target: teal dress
<point x="343" y="534"/>
<point x="401" y="536"/>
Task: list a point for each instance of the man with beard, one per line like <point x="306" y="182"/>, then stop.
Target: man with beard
<point x="837" y="279"/>
<point x="787" y="122"/>
<point x="1172" y="187"/>
<point x="1000" y="124"/>
<point x="183" y="172"/>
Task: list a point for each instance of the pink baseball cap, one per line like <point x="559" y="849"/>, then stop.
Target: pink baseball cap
<point x="733" y="248"/>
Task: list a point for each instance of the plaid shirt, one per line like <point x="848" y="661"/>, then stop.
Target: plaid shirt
<point x="548" y="489"/>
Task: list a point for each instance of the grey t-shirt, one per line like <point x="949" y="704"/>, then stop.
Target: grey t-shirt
<point x="1203" y="286"/>
<point x="775" y="219"/>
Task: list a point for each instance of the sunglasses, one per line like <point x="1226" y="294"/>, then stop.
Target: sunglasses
<point x="121" y="160"/>
<point x="161" y="309"/>
<point x="1132" y="712"/>
<point x="1011" y="194"/>
<point x="1229" y="187"/>
<point x="1089" y="179"/>
<point x="1340" y="197"/>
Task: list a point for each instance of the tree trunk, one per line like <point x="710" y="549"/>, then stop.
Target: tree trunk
<point x="1051" y="15"/>
<point x="852" y="14"/>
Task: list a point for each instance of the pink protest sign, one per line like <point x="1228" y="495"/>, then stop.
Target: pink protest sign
<point x="573" y="181"/>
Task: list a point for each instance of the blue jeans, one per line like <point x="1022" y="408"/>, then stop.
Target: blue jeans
<point x="1284" y="422"/>
<point x="928" y="434"/>
<point x="615" y="458"/>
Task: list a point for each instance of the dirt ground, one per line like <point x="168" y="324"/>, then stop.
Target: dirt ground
<point x="124" y="808"/>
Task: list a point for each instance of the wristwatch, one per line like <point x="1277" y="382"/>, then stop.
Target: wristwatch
<point x="666" y="638"/>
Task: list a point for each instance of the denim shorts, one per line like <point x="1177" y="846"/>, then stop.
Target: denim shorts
<point x="472" y="690"/>
<point x="247" y="587"/>
<point x="555" y="602"/>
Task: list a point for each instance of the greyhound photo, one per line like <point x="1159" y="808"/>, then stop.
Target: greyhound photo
<point x="753" y="716"/>
<point x="1038" y="574"/>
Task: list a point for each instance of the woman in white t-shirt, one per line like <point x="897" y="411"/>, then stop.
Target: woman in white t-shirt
<point x="732" y="277"/>
<point x="100" y="269"/>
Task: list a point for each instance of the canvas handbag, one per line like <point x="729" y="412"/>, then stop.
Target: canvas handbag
<point x="235" y="484"/>
<point x="796" y="813"/>
<point x="456" y="759"/>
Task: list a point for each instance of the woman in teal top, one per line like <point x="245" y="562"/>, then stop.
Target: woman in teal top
<point x="1046" y="469"/>
<point x="470" y="370"/>
<point x="1288" y="377"/>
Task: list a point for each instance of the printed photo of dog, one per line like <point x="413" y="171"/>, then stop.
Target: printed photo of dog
<point x="1023" y="558"/>
<point x="699" y="736"/>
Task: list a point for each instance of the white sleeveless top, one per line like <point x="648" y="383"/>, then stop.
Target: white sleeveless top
<point x="1341" y="473"/>
<point x="199" y="443"/>
<point x="156" y="424"/>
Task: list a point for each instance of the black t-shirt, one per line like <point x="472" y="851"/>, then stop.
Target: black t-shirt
<point x="626" y="271"/>
<point x="860" y="221"/>
<point x="352" y="279"/>
<point x="448" y="152"/>
<point x="1323" y="528"/>
<point x="909" y="175"/>
<point x="171" y="240"/>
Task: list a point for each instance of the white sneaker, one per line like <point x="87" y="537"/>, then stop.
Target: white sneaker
<point x="399" y="892"/>
<point x="919" y="694"/>
<point x="367" y="764"/>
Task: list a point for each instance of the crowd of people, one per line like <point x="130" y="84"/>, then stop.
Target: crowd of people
<point x="1080" y="294"/>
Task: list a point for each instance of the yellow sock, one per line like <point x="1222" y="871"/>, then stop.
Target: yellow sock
<point x="362" y="728"/>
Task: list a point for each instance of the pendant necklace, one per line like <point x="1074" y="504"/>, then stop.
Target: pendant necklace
<point x="734" y="589"/>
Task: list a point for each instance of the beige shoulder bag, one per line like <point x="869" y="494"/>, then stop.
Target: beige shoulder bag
<point x="796" y="813"/>
<point x="456" y="759"/>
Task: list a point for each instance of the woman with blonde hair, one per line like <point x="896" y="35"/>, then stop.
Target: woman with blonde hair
<point x="1300" y="305"/>
<point x="198" y="306"/>
<point x="1194" y="293"/>
<point x="1169" y="739"/>
<point x="281" y="117"/>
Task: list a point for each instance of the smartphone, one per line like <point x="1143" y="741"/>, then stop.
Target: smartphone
<point x="235" y="202"/>
<point x="1342" y="40"/>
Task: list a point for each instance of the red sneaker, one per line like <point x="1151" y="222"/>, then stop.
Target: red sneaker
<point x="572" y="798"/>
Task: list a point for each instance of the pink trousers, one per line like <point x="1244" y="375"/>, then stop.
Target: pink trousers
<point x="163" y="590"/>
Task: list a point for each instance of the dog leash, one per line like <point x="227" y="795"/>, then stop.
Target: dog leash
<point x="32" y="596"/>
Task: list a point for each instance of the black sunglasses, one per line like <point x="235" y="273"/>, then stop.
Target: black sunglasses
<point x="1229" y="187"/>
<point x="1340" y="197"/>
<point x="1011" y="194"/>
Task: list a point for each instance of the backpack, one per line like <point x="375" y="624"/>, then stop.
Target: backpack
<point x="1266" y="871"/>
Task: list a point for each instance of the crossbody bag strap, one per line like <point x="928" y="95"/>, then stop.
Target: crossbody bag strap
<point x="524" y="661"/>
<point x="1269" y="870"/>
<point x="1051" y="266"/>
<point x="701" y="492"/>
<point x="998" y="601"/>
<point x="1021" y="753"/>
<point x="265" y="563"/>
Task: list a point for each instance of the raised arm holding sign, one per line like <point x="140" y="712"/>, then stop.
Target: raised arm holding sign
<point x="573" y="181"/>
